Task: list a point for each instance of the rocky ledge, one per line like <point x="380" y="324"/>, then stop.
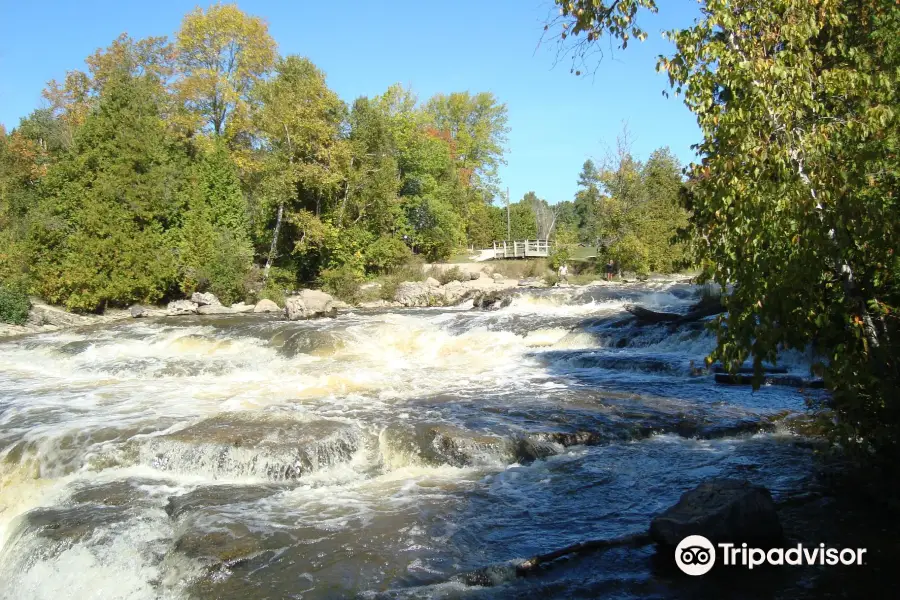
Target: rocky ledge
<point x="431" y="293"/>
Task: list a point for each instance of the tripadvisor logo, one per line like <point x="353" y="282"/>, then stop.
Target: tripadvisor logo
<point x="696" y="555"/>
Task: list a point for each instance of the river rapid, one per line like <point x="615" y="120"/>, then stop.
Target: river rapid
<point x="378" y="454"/>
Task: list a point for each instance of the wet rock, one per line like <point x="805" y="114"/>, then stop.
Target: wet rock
<point x="229" y="544"/>
<point x="432" y="282"/>
<point x="497" y="276"/>
<point x="273" y="447"/>
<point x="492" y="300"/>
<point x="205" y="299"/>
<point x="137" y="311"/>
<point x="309" y="304"/>
<point x="181" y="307"/>
<point x="70" y="524"/>
<point x="240" y="307"/>
<point x="218" y="495"/>
<point x="438" y="444"/>
<point x="721" y="510"/>
<point x="131" y="492"/>
<point x="266" y="306"/>
<point x="215" y="309"/>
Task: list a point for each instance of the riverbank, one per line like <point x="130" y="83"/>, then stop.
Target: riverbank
<point x="482" y="281"/>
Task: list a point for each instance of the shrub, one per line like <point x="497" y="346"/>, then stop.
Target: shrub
<point x="445" y="276"/>
<point x="517" y="269"/>
<point x="413" y="269"/>
<point x="386" y="254"/>
<point x="551" y="278"/>
<point x="630" y="254"/>
<point x="342" y="283"/>
<point x="559" y="256"/>
<point x="14" y="305"/>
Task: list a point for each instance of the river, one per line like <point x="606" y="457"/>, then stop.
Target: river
<point x="376" y="454"/>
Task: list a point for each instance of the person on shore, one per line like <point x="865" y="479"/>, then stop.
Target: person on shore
<point x="610" y="269"/>
<point x="563" y="273"/>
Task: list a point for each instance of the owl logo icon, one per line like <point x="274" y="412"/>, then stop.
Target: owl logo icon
<point x="695" y="555"/>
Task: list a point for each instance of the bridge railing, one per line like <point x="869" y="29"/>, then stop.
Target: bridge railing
<point x="521" y="248"/>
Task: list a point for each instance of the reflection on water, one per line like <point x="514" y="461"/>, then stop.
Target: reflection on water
<point x="377" y="453"/>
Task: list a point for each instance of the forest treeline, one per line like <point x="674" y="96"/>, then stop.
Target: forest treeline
<point x="209" y="162"/>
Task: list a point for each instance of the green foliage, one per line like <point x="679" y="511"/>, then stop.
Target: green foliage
<point x="342" y="283"/>
<point x="630" y="254"/>
<point x="215" y="254"/>
<point x="445" y="276"/>
<point x="438" y="230"/>
<point x="14" y="305"/>
<point x="794" y="200"/>
<point x="207" y="163"/>
<point x="102" y="232"/>
<point x="558" y="256"/>
<point x="386" y="254"/>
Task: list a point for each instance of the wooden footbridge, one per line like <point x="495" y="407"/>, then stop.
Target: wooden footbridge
<point x="521" y="249"/>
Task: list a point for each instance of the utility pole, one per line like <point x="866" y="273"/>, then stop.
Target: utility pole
<point x="507" y="214"/>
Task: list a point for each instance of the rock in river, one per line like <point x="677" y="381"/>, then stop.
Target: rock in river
<point x="266" y="306"/>
<point x="181" y="307"/>
<point x="205" y="299"/>
<point x="309" y="304"/>
<point x="721" y="510"/>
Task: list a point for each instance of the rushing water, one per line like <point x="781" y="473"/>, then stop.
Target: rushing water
<point x="376" y="454"/>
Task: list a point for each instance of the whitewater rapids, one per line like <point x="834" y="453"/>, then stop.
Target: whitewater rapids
<point x="375" y="454"/>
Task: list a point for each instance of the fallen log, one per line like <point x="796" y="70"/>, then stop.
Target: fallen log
<point x="497" y="574"/>
<point x="746" y="370"/>
<point x="651" y="316"/>
<point x="787" y="380"/>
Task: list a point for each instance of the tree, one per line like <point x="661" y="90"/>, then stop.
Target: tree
<point x="477" y="127"/>
<point x="300" y="122"/>
<point x="661" y="217"/>
<point x="587" y="202"/>
<point x="103" y="231"/>
<point x="794" y="201"/>
<point x="214" y="247"/>
<point x="544" y="215"/>
<point x="222" y="53"/>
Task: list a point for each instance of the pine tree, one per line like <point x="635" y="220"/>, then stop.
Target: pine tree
<point x="102" y="232"/>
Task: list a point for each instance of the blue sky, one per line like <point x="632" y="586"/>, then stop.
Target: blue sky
<point x="557" y="120"/>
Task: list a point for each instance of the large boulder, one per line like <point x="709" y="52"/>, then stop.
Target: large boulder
<point x="721" y="510"/>
<point x="205" y="299"/>
<point x="137" y="311"/>
<point x="43" y="314"/>
<point x="309" y="304"/>
<point x="215" y="309"/>
<point x="432" y="282"/>
<point x="240" y="307"/>
<point x="266" y="306"/>
<point x="414" y="293"/>
<point x="181" y="307"/>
